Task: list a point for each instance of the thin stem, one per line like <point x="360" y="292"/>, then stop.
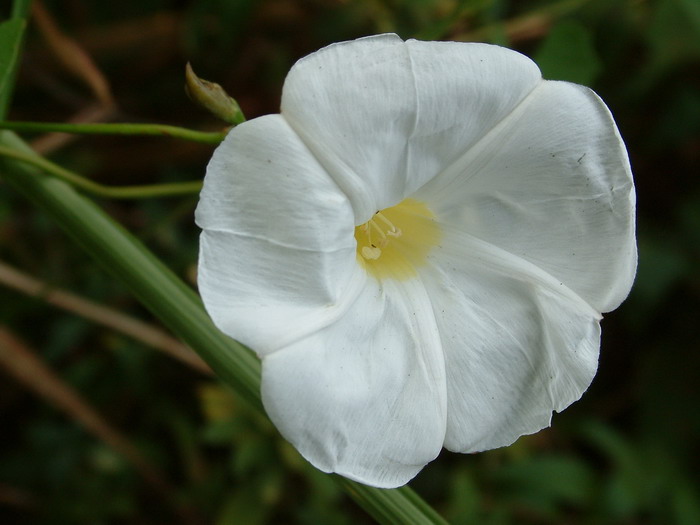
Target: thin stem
<point x="113" y="192"/>
<point x="158" y="130"/>
<point x="393" y="506"/>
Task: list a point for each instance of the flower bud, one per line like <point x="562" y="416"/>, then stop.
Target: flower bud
<point x="212" y="97"/>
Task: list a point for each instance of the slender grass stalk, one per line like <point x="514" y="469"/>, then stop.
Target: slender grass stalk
<point x="20" y="9"/>
<point x="11" y="38"/>
<point x="115" y="128"/>
<point x="178" y="307"/>
<point x="122" y="255"/>
<point x="392" y="506"/>
<point x="112" y="192"/>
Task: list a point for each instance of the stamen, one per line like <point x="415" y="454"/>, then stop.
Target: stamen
<point x="382" y="248"/>
<point x="393" y="230"/>
<point x="383" y="227"/>
<point x="379" y="231"/>
<point x="366" y="228"/>
<point x="371" y="252"/>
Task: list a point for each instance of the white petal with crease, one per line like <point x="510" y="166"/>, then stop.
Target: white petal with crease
<point x="551" y="184"/>
<point x="517" y="344"/>
<point x="277" y="254"/>
<point x="384" y="116"/>
<point x="364" y="397"/>
<point x="369" y="374"/>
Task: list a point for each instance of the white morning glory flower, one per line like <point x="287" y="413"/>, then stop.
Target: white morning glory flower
<point x="419" y="247"/>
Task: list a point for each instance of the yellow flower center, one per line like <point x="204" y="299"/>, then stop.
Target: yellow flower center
<point x="396" y="241"/>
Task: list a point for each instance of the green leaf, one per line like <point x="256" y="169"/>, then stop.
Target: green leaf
<point x="11" y="32"/>
<point x="546" y="483"/>
<point x="11" y="36"/>
<point x="674" y="34"/>
<point x="568" y="54"/>
<point x="663" y="264"/>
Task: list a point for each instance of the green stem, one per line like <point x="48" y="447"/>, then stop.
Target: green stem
<point x="112" y="192"/>
<point x="11" y="38"/>
<point x="392" y="506"/>
<point x="179" y="308"/>
<point x="20" y="9"/>
<point x="159" y="130"/>
<point x="123" y="256"/>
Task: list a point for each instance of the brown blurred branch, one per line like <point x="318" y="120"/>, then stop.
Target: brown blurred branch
<point x="19" y="360"/>
<point x="153" y="31"/>
<point x="71" y="55"/>
<point x="14" y="497"/>
<point x="76" y="60"/>
<point x="531" y="25"/>
<point x="103" y="315"/>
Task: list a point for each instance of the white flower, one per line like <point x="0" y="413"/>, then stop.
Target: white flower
<point x="419" y="247"/>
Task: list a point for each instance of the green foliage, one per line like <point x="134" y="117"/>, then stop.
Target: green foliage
<point x="11" y="37"/>
<point x="568" y="53"/>
<point x="11" y="32"/>
<point x="546" y="483"/>
<point x="674" y="33"/>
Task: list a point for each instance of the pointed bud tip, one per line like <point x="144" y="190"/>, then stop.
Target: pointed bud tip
<point x="212" y="97"/>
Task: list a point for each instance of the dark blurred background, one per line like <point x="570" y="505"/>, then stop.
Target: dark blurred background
<point x="627" y="453"/>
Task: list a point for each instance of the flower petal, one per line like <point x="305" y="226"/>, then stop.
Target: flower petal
<point x="517" y="344"/>
<point x="277" y="254"/>
<point x="551" y="184"/>
<point x="364" y="397"/>
<point x="384" y="116"/>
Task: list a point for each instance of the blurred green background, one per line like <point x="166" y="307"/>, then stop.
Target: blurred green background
<point x="627" y="453"/>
